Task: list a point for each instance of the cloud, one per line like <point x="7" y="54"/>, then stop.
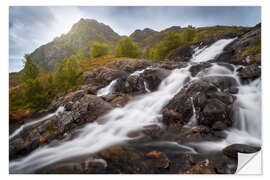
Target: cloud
<point x="32" y="26"/>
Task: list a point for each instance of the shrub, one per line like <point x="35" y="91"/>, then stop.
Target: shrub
<point x="99" y="49"/>
<point x="127" y="48"/>
<point x="67" y="73"/>
<point x="163" y="49"/>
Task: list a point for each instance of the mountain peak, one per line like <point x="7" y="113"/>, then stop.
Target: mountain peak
<point x="139" y="35"/>
<point x="77" y="39"/>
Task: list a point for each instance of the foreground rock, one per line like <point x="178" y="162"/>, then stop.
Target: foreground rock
<point x="205" y="97"/>
<point x="85" y="109"/>
<point x="249" y="72"/>
<point x="233" y="150"/>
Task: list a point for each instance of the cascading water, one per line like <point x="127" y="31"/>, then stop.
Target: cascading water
<point x="146" y="110"/>
<point x="143" y="111"/>
<point x="61" y="109"/>
<point x="247" y="113"/>
<point x="108" y="89"/>
<point x="209" y="53"/>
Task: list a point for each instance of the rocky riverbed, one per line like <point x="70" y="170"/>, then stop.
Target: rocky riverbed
<point x="188" y="116"/>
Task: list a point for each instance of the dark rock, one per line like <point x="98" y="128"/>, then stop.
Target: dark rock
<point x="219" y="126"/>
<point x="202" y="167"/>
<point x="68" y="106"/>
<point x="232" y="150"/>
<point x="195" y="69"/>
<point x="182" y="54"/>
<point x="160" y="159"/>
<point x="103" y="75"/>
<point x="250" y="72"/>
<point x="215" y="110"/>
<point x="154" y="76"/>
<point x="89" y="108"/>
<point x="233" y="90"/>
<point x="134" y="84"/>
<point x="129" y="65"/>
<point x="127" y="159"/>
<point x="210" y="104"/>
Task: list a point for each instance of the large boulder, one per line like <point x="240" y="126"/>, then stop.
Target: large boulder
<point x="86" y="109"/>
<point x="103" y="75"/>
<point x="154" y="76"/>
<point x="249" y="72"/>
<point x="233" y="150"/>
<point x="205" y="97"/>
<point x="134" y="85"/>
<point x="129" y="65"/>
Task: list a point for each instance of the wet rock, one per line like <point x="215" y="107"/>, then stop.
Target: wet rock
<point x="219" y="126"/>
<point x="68" y="106"/>
<point x="129" y="65"/>
<point x="16" y="148"/>
<point x="233" y="90"/>
<point x="195" y="69"/>
<point x="121" y="100"/>
<point x="213" y="111"/>
<point x="64" y="123"/>
<point x="232" y="150"/>
<point x="202" y="167"/>
<point x="160" y="159"/>
<point x="135" y="84"/>
<point x="154" y="76"/>
<point x="222" y="82"/>
<point x="211" y="104"/>
<point x="127" y="159"/>
<point x="171" y="65"/>
<point x="249" y="72"/>
<point x="103" y="75"/>
<point x="89" y="108"/>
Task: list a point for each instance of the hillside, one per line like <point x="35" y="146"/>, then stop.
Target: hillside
<point x="75" y="41"/>
<point x="139" y="35"/>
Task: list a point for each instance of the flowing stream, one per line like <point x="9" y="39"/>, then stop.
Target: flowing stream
<point x="146" y="110"/>
<point x="33" y="122"/>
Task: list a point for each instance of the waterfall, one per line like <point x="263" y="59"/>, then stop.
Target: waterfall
<point x="209" y="53"/>
<point x="142" y="111"/>
<point x="108" y="89"/>
<point x="146" y="110"/>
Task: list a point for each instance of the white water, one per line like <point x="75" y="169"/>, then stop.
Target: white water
<point x="247" y="117"/>
<point x="137" y="73"/>
<point x="20" y="129"/>
<point x="108" y="89"/>
<point x="143" y="111"/>
<point x="209" y="53"/>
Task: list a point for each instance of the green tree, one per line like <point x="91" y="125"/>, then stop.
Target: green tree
<point x="67" y="73"/>
<point x="35" y="94"/>
<point x="30" y="70"/>
<point x="99" y="49"/>
<point x="127" y="48"/>
<point x="187" y="35"/>
<point x="165" y="47"/>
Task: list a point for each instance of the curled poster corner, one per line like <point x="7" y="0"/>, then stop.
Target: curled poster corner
<point x="249" y="163"/>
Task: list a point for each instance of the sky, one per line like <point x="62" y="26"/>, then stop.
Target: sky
<point x="33" y="26"/>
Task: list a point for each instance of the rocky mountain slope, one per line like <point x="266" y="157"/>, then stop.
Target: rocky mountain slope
<point x="190" y="115"/>
<point x="139" y="35"/>
<point x="77" y="39"/>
